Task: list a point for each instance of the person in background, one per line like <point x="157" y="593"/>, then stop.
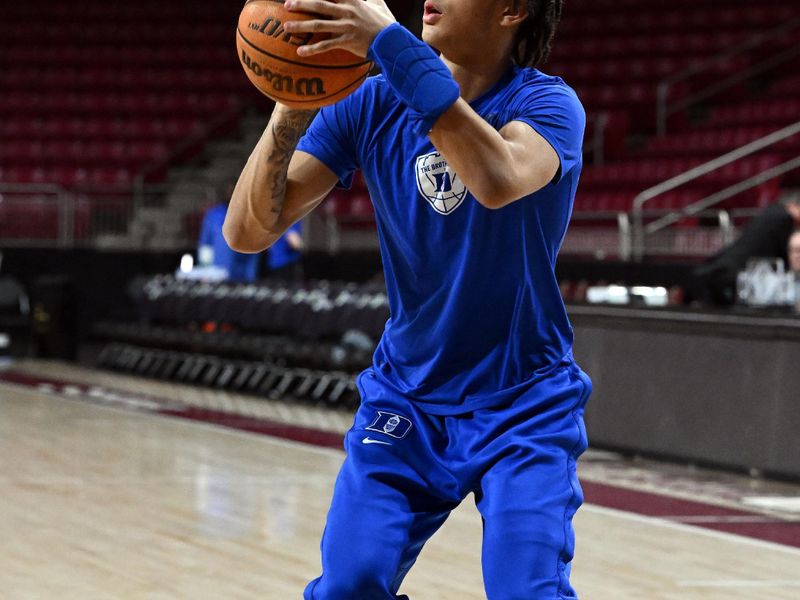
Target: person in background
<point x="793" y="251"/>
<point x="212" y="249"/>
<point x="284" y="258"/>
<point x="765" y="236"/>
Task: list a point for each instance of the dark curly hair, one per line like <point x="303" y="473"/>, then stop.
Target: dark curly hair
<point x="535" y="35"/>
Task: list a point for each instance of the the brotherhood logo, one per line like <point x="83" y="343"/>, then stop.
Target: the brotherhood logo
<point x="391" y="424"/>
<point x="437" y="182"/>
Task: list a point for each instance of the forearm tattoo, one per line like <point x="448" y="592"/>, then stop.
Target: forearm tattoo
<point x="286" y="134"/>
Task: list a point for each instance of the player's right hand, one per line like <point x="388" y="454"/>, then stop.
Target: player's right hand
<point x="353" y="24"/>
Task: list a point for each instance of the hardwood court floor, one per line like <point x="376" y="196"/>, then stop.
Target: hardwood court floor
<point x="99" y="502"/>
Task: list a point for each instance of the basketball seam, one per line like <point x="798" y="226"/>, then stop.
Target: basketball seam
<point x="294" y="62"/>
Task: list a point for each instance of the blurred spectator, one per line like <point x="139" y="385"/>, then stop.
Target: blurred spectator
<point x="793" y="251"/>
<point x="285" y="256"/>
<point x="765" y="236"/>
<point x="213" y="250"/>
<point x="14" y="315"/>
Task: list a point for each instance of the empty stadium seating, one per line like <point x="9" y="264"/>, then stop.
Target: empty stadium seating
<point x="98" y="91"/>
<point x="351" y="208"/>
<point x="615" y="57"/>
<point x="610" y="18"/>
<point x="615" y="54"/>
<point x="94" y="93"/>
<point x="37" y="218"/>
<point x="169" y="129"/>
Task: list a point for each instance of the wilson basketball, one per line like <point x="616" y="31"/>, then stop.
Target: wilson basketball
<point x="269" y="57"/>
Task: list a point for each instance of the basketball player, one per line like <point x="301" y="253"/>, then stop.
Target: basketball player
<point x="472" y="160"/>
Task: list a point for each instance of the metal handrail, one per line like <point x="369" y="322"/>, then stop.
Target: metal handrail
<point x="709" y="201"/>
<point x="664" y="110"/>
<point x="65" y="202"/>
<point x="596" y="146"/>
<point x="625" y="236"/>
<point x="726" y="227"/>
<point x="697" y="172"/>
<point x="620" y="223"/>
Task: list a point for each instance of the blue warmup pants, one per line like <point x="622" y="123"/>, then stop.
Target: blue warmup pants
<point x="406" y="470"/>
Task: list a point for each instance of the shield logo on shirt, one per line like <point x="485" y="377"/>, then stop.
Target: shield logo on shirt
<point x="437" y="182"/>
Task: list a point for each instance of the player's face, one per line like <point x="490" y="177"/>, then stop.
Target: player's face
<point x="794" y="252"/>
<point x="456" y="27"/>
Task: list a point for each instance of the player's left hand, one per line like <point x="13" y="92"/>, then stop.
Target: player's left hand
<point x="353" y="24"/>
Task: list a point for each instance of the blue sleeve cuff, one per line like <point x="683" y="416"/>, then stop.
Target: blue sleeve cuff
<point x="416" y="74"/>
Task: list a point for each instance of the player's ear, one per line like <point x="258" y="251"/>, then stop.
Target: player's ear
<point x="514" y="13"/>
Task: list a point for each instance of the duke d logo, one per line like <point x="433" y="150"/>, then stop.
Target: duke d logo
<point x="391" y="424"/>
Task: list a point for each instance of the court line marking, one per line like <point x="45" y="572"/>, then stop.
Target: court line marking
<point x="773" y="502"/>
<point x="175" y="418"/>
<point x="686" y="528"/>
<point x="725" y="519"/>
<point x="612" y="512"/>
<point x="738" y="583"/>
